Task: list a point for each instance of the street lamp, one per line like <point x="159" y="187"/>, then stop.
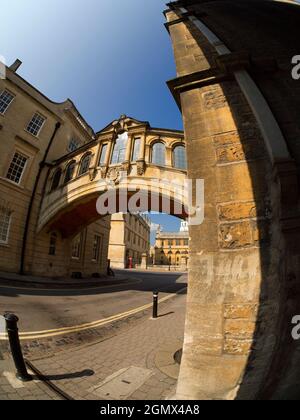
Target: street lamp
<point x="170" y="257"/>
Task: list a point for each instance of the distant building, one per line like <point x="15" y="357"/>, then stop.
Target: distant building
<point x="172" y="248"/>
<point x="129" y="240"/>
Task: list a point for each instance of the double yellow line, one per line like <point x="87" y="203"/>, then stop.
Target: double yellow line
<point x="92" y="325"/>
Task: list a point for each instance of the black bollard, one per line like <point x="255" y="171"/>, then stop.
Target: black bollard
<point x="155" y="305"/>
<point x="15" y="347"/>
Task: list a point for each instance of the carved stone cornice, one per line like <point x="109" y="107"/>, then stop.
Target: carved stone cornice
<point x="175" y="22"/>
<point x="194" y="81"/>
<point x="125" y="167"/>
<point x="141" y="167"/>
<point x="229" y="63"/>
<point x="103" y="171"/>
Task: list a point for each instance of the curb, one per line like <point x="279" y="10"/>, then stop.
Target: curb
<point x="46" y="286"/>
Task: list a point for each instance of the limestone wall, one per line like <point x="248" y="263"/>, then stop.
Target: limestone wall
<point x="244" y="256"/>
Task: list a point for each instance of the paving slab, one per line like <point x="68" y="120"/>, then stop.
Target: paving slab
<point x="135" y="364"/>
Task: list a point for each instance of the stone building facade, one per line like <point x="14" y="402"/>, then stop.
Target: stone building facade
<point x="54" y="167"/>
<point x="172" y="248"/>
<point x="240" y="107"/>
<point x="134" y="167"/>
<point x="129" y="240"/>
<point x="34" y="132"/>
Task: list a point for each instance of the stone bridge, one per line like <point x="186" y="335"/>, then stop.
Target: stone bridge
<point x="126" y="157"/>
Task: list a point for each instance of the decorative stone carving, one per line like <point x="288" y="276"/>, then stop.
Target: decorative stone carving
<point x="113" y="175"/>
<point x="125" y="167"/>
<point x="122" y="124"/>
<point x="140" y="167"/>
<point x="93" y="173"/>
<point x="103" y="171"/>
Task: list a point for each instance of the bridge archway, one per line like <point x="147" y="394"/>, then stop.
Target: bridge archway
<point x="130" y="183"/>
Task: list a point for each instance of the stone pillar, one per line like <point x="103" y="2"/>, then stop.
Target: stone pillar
<point x="169" y="156"/>
<point x="108" y="153"/>
<point x="183" y="262"/>
<point x="144" y="263"/>
<point x="143" y="148"/>
<point x="129" y="148"/>
<point x="237" y="255"/>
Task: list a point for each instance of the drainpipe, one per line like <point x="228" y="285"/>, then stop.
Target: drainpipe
<point x="29" y="212"/>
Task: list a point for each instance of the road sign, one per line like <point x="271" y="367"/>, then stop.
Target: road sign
<point x="2" y="324"/>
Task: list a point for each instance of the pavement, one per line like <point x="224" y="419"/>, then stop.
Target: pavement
<point x="137" y="363"/>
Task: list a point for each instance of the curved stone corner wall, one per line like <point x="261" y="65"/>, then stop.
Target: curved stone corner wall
<point x="244" y="266"/>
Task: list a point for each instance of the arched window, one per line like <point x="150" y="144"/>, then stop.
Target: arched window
<point x="85" y="164"/>
<point x="56" y="180"/>
<point x="70" y="172"/>
<point x="119" y="153"/>
<point x="103" y="154"/>
<point x="159" y="154"/>
<point x="136" y="149"/>
<point x="52" y="246"/>
<point x="179" y="157"/>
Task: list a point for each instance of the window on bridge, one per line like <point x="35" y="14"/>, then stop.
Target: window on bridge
<point x="179" y="157"/>
<point x="136" y="149"/>
<point x="103" y="154"/>
<point x="119" y="153"/>
<point x="159" y="154"/>
<point x="70" y="172"/>
<point x="85" y="164"/>
<point x="56" y="180"/>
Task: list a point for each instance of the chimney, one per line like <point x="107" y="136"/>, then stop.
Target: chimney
<point x="15" y="66"/>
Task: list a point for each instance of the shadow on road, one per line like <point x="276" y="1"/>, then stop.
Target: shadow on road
<point x="146" y="282"/>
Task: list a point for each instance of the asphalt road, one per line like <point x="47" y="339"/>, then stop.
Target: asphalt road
<point x="44" y="310"/>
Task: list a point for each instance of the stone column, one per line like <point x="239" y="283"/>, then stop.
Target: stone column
<point x="143" y="148"/>
<point x="129" y="148"/>
<point x="108" y="153"/>
<point x="183" y="262"/>
<point x="141" y="166"/>
<point x="237" y="253"/>
<point x="144" y="263"/>
<point x="168" y="156"/>
<point x="104" y="167"/>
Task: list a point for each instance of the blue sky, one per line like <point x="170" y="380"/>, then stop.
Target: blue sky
<point x="111" y="57"/>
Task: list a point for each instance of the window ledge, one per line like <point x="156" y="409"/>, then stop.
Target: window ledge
<point x="3" y="245"/>
<point x="12" y="183"/>
<point x="32" y="135"/>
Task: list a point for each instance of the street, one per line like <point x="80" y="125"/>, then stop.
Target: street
<point x="43" y="310"/>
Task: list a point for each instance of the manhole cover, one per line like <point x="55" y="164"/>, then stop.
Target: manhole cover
<point x="178" y="356"/>
<point x="122" y="384"/>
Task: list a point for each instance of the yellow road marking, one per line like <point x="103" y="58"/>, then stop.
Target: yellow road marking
<point x="92" y="325"/>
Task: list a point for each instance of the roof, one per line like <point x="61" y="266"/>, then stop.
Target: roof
<point x="172" y="235"/>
